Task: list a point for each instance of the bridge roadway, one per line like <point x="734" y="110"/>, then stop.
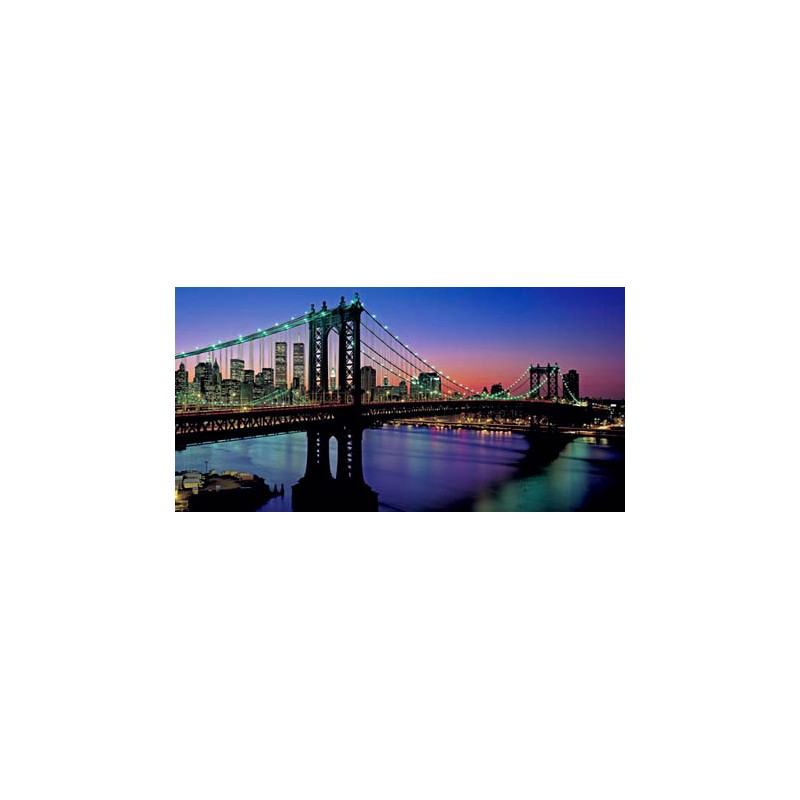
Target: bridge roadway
<point x="195" y="427"/>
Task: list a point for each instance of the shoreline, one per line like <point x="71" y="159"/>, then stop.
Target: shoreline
<point x="501" y="427"/>
<point x="228" y="491"/>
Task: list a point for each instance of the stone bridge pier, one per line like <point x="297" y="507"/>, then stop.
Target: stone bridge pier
<point x="318" y="490"/>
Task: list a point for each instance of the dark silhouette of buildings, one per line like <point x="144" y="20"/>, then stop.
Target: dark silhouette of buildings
<point x="570" y="385"/>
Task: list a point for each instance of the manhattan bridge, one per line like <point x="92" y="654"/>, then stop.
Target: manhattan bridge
<point x="243" y="388"/>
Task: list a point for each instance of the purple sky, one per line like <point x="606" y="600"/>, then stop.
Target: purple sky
<point x="478" y="335"/>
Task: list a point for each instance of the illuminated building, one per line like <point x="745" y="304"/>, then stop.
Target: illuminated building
<point x="181" y="378"/>
<point x="430" y="384"/>
<point x="237" y="369"/>
<point x="280" y="365"/>
<point x="201" y="372"/>
<point x="268" y="378"/>
<point x="298" y="366"/>
<point x="231" y="391"/>
<point x="368" y="378"/>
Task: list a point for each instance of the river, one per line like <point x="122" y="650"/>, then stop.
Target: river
<point x="431" y="469"/>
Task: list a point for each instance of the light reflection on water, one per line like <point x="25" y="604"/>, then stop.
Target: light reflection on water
<point x="427" y="469"/>
<point x="588" y="474"/>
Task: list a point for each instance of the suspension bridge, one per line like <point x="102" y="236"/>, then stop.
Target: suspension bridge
<point x="346" y="336"/>
<point x="248" y="386"/>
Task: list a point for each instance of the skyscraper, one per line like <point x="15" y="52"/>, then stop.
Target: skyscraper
<point x="570" y="385"/>
<point x="231" y="392"/>
<point x="298" y="366"/>
<point x="181" y="383"/>
<point x="237" y="369"/>
<point x="368" y="377"/>
<point x="247" y="388"/>
<point x="181" y="378"/>
<point x="430" y="384"/>
<point x="201" y="372"/>
<point x="280" y="365"/>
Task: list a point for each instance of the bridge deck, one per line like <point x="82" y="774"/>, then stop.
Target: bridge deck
<point x="193" y="427"/>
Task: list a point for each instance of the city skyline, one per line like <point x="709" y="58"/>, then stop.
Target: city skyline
<point x="482" y="336"/>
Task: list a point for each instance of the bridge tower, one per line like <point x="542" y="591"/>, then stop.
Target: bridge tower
<point x="544" y="376"/>
<point x="535" y="374"/>
<point x="552" y="382"/>
<point x="345" y="319"/>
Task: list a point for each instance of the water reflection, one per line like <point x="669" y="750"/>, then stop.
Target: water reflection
<point x="428" y="469"/>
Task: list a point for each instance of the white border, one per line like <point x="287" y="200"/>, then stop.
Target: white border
<point x="157" y="655"/>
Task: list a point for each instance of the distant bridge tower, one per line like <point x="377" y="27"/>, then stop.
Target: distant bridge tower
<point x="552" y="382"/>
<point x="345" y="319"/>
<point x="544" y="377"/>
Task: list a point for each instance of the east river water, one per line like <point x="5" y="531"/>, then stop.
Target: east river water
<point x="431" y="469"/>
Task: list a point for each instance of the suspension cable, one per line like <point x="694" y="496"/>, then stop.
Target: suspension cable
<point x="424" y="361"/>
